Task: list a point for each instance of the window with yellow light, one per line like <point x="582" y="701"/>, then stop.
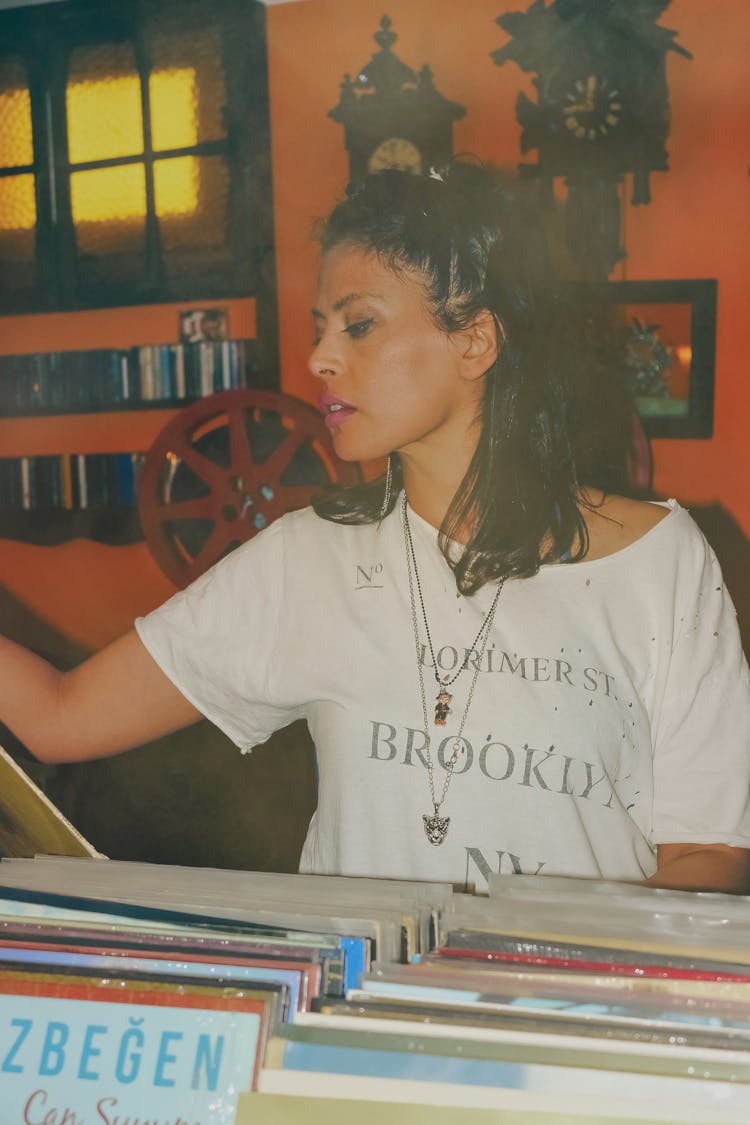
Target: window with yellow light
<point x="134" y="152"/>
<point x="17" y="194"/>
<point x="105" y="127"/>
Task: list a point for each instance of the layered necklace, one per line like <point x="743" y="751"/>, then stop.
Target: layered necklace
<point x="435" y="825"/>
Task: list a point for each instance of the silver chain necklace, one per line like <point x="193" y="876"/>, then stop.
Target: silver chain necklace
<point x="435" y="825"/>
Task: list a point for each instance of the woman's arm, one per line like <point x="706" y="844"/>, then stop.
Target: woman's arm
<point x="116" y="699"/>
<point x="702" y="867"/>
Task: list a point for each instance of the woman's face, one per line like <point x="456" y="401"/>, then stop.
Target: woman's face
<point x="391" y="378"/>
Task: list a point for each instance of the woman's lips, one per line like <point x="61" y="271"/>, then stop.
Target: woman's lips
<point x="336" y="414"/>
<point x="336" y="411"/>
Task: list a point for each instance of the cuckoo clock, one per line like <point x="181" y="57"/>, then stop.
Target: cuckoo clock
<point x="393" y="117"/>
<point x="602" y="109"/>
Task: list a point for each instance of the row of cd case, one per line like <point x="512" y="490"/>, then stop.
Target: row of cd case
<point x="145" y="990"/>
<point x="106" y="379"/>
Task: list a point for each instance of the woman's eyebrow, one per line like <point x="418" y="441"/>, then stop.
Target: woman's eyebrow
<point x="343" y="302"/>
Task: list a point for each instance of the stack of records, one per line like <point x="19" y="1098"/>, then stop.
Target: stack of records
<point x="137" y="994"/>
<point x="143" y="993"/>
<point x="566" y="998"/>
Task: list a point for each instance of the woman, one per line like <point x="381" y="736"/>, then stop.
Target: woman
<point x="503" y="667"/>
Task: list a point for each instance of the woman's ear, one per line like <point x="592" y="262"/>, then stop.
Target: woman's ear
<point x="478" y="344"/>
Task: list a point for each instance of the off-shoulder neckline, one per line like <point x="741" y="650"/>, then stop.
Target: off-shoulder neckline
<point x="643" y="541"/>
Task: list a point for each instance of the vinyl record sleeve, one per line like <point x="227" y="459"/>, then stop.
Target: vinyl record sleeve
<point x="26" y="922"/>
<point x="25" y="902"/>
<point x="182" y="969"/>
<point x="302" y="977"/>
<point x="521" y="1023"/>
<point x="471" y="981"/>
<point x="623" y="915"/>
<point x="574" y="1007"/>
<point x="482" y="936"/>
<point x="30" y="824"/>
<point x="462" y="1061"/>
<point x="270" y="994"/>
<point x="424" y="1033"/>
<point x="104" y="1049"/>
<point x="147" y="887"/>
<point x="323" y="1099"/>
<point x="413" y="906"/>
<point x="645" y="968"/>
<point x="585" y="1018"/>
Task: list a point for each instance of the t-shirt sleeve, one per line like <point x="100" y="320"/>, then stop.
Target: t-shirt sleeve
<point x="702" y="739"/>
<point x="217" y="639"/>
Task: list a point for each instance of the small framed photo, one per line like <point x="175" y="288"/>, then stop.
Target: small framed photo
<point x="197" y="325"/>
<point x="666" y="331"/>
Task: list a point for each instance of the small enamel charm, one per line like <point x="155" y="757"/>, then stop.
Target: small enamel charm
<point x="442" y="708"/>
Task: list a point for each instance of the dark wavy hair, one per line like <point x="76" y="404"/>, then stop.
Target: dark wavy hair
<point x="553" y="418"/>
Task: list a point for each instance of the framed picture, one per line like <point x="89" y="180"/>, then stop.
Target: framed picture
<point x="666" y="337"/>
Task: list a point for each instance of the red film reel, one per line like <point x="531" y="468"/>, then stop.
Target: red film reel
<point x="224" y="468"/>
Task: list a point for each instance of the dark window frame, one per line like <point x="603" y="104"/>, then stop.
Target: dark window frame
<point x="43" y="36"/>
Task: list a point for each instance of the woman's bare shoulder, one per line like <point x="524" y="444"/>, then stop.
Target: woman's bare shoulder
<point x="614" y="522"/>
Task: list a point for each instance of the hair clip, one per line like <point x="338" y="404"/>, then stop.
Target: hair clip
<point x="435" y="175"/>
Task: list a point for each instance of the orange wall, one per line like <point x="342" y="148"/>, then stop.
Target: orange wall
<point x="699" y="226"/>
<point x="696" y="226"/>
<point x="312" y="45"/>
<point x="113" y="328"/>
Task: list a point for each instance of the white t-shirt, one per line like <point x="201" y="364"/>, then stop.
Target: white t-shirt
<point x="611" y="711"/>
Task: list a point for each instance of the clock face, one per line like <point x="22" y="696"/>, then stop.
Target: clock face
<point x="396" y="152"/>
<point x="592" y="109"/>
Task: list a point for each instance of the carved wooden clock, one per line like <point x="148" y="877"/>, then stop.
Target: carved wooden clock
<point x="392" y="116"/>
<point x="602" y="109"/>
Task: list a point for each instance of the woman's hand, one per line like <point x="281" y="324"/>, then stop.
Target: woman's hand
<point x="702" y="867"/>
